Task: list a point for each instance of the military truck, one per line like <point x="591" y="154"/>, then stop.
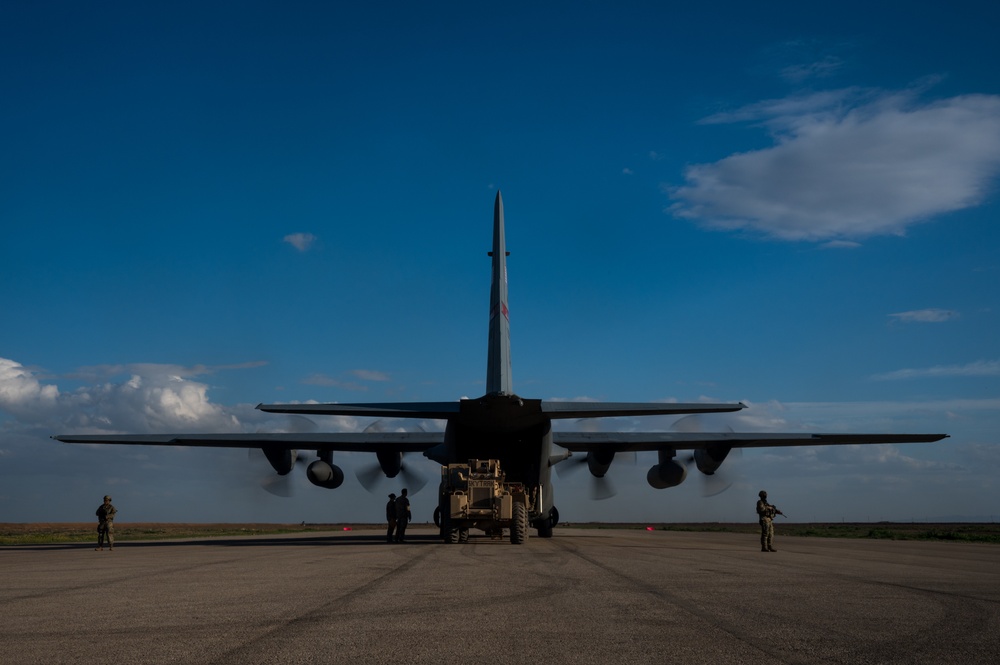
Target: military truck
<point x="476" y="495"/>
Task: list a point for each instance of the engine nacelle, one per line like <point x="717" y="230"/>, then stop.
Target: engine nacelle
<point x="390" y="462"/>
<point x="708" y="460"/>
<point x="599" y="462"/>
<point x="282" y="460"/>
<point x="666" y="474"/>
<point x="324" y="474"/>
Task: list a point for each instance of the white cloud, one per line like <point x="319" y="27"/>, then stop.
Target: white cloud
<point x="841" y="244"/>
<point x="848" y="164"/>
<point x="931" y="315"/>
<point x="21" y="392"/>
<point x="978" y="368"/>
<point x="821" y="68"/>
<point x="300" y="241"/>
<point x="146" y="397"/>
<point x="370" y="375"/>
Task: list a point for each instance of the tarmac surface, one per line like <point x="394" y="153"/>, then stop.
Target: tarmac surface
<point x="583" y="596"/>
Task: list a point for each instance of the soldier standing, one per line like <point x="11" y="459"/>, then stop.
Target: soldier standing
<point x="105" y="525"/>
<point x="765" y="514"/>
<point x="402" y="515"/>
<point x="390" y="517"/>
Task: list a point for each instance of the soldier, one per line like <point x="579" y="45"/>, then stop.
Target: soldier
<point x="766" y="513"/>
<point x="390" y="517"/>
<point x="402" y="515"/>
<point x="105" y="525"/>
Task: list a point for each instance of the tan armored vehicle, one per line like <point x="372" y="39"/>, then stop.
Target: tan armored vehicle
<point x="475" y="495"/>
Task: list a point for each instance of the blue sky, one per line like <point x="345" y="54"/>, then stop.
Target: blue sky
<point x="207" y="207"/>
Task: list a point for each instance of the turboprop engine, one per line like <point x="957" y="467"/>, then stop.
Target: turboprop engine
<point x="324" y="474"/>
<point x="708" y="460"/>
<point x="282" y="460"/>
<point x="668" y="473"/>
<point x="599" y="462"/>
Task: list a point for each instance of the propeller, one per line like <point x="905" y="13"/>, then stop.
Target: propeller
<point x="601" y="487"/>
<point x="373" y="476"/>
<point x="279" y="485"/>
<point x="719" y="480"/>
<point x="269" y="481"/>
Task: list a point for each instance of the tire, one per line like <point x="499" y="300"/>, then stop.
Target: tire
<point x="519" y="528"/>
<point x="463" y="536"/>
<point x="451" y="535"/>
<point x="545" y="528"/>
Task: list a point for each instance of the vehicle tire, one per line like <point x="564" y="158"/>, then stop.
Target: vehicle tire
<point x="463" y="535"/>
<point x="519" y="529"/>
<point x="451" y="535"/>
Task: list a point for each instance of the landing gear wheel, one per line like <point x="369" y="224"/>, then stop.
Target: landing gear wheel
<point x="545" y="528"/>
<point x="519" y="529"/>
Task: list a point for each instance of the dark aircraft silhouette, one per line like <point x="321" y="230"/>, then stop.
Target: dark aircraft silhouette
<point x="501" y="425"/>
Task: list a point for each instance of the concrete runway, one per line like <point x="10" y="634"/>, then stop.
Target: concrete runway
<point x="584" y="596"/>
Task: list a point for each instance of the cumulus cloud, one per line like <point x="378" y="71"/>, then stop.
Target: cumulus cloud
<point x="847" y="164"/>
<point x="300" y="241"/>
<point x="932" y="315"/>
<point x="127" y="398"/>
<point x="978" y="368"/>
<point x="21" y="392"/>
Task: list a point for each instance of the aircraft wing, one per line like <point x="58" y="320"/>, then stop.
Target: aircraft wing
<point x="404" y="442"/>
<point x="640" y="441"/>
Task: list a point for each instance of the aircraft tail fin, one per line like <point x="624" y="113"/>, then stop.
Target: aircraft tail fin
<point x="498" y="373"/>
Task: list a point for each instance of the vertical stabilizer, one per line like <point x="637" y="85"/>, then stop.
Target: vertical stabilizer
<point x="498" y="379"/>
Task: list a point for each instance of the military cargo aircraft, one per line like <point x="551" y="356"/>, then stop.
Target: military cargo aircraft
<point x="501" y="425"/>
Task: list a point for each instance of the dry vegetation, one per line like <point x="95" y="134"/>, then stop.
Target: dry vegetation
<point x="68" y="532"/>
<point x="75" y="532"/>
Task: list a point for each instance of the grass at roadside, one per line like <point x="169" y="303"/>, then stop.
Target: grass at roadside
<point x="55" y="533"/>
<point x="978" y="532"/>
<point x="71" y="532"/>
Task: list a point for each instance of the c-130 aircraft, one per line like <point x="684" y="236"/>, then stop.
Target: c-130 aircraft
<point x="501" y="425"/>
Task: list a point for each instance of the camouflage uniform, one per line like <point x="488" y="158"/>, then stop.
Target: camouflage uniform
<point x="402" y="515"/>
<point x="106" y="524"/>
<point x="390" y="517"/>
<point x="765" y="515"/>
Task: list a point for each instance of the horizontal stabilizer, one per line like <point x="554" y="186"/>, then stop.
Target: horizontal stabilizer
<point x="431" y="410"/>
<point x="556" y="410"/>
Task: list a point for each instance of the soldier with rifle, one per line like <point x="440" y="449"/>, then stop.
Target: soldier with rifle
<point x="106" y="524"/>
<point x="765" y="514"/>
